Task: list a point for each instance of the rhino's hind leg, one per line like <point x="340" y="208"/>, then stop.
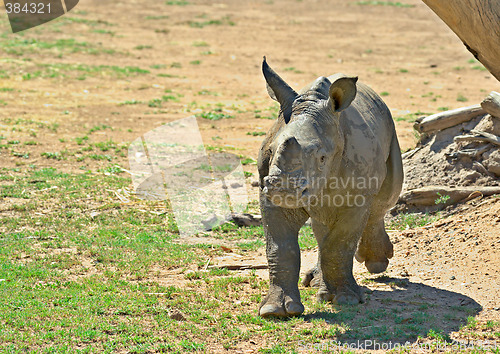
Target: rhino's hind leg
<point x="375" y="247"/>
<point x="312" y="277"/>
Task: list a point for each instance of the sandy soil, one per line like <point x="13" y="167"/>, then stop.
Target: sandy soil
<point x="404" y="53"/>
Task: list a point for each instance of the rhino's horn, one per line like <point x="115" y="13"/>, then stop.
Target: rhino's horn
<point x="279" y="90"/>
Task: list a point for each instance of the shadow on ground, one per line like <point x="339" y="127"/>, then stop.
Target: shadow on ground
<point x="398" y="311"/>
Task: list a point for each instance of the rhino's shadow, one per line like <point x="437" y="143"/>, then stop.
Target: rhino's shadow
<point x="399" y="313"/>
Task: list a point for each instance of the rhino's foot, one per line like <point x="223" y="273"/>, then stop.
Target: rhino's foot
<point x="312" y="278"/>
<point x="375" y="249"/>
<point x="374" y="264"/>
<point x="344" y="295"/>
<point x="375" y="267"/>
<point x="280" y="304"/>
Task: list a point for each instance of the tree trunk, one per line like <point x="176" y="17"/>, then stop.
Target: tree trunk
<point x="477" y="24"/>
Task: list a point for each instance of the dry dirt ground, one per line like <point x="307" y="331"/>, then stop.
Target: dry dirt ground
<point x="206" y="56"/>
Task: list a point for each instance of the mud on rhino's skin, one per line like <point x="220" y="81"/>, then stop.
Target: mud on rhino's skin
<point x="332" y="156"/>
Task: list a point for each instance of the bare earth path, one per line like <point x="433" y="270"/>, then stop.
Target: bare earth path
<point x="109" y="72"/>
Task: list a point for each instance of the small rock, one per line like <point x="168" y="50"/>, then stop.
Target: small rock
<point x="176" y="315"/>
<point x="246" y="219"/>
<point x="404" y="273"/>
<point x="497" y="309"/>
<point x="255" y="184"/>
<point x="452" y="277"/>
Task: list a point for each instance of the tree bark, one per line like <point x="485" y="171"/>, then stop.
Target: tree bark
<point x="443" y="120"/>
<point x="491" y="104"/>
<point x="477" y="24"/>
<point x="427" y="196"/>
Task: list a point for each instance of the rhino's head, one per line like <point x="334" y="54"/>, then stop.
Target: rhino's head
<point x="308" y="149"/>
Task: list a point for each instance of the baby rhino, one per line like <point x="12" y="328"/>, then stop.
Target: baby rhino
<point x="332" y="156"/>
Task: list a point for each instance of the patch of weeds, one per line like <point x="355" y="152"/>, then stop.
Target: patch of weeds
<point x="99" y="157"/>
<point x="411" y="117"/>
<point x="223" y="21"/>
<point x="176" y="3"/>
<point x="403" y="70"/>
<point x="158" y="66"/>
<point x="442" y="199"/>
<point x="462" y="98"/>
<point x="406" y="221"/>
<point x="30" y="76"/>
<point x="142" y="46"/>
<point x="479" y="67"/>
<point x="443" y="109"/>
<point x="80" y="140"/>
<point x="53" y="155"/>
<point x="176" y="65"/>
<point x="105" y="145"/>
<point x="306" y="238"/>
<point x="191" y="346"/>
<point x="438" y="335"/>
<point x="385" y="93"/>
<point x="200" y="44"/>
<point x="216" y="114"/>
<point x="256" y="133"/>
<point x="84" y="70"/>
<point x="208" y="93"/>
<point x="21" y="46"/>
<point x="161" y="17"/>
<point x="385" y="3"/>
<point x="195" y="62"/>
<point x="158" y="102"/>
<point x="131" y="102"/>
<point x="92" y="23"/>
<point x="99" y="127"/>
<point x="247" y="161"/>
<point x="292" y="69"/>
<point x="23" y="155"/>
<point x="102" y="31"/>
<point x="252" y="245"/>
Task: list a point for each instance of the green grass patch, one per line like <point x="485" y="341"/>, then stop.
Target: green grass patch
<point x="256" y="133"/>
<point x="217" y="114"/>
<point x="411" y="117"/>
<point x="80" y="269"/>
<point x="161" y="17"/>
<point x="225" y="21"/>
<point x="21" y="46"/>
<point x="405" y="221"/>
<point x="385" y="3"/>
<point x="176" y="3"/>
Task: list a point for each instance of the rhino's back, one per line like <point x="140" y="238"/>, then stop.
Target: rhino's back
<point x="368" y="131"/>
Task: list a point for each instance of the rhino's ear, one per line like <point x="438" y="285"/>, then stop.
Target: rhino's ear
<point x="342" y="92"/>
<point x="279" y="90"/>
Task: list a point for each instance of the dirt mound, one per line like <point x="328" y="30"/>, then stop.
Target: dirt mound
<point x="459" y="253"/>
<point x="456" y="159"/>
<point x="441" y="159"/>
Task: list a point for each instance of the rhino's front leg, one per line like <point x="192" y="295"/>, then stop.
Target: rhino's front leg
<point x="337" y="245"/>
<point x="281" y="227"/>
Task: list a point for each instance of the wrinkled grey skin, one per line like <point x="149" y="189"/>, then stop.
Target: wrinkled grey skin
<point x="334" y="130"/>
